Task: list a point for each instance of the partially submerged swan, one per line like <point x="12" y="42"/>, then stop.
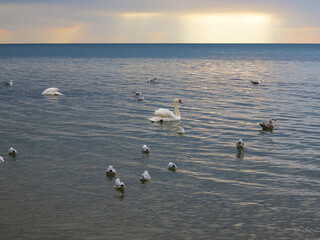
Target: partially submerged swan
<point x="269" y="126"/>
<point x="145" y="176"/>
<point x="12" y="152"/>
<point x="172" y="167"/>
<point x="165" y="115"/>
<point x="51" y="91"/>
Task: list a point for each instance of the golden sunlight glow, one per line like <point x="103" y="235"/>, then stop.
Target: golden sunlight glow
<point x="138" y="15"/>
<point x="227" y="28"/>
<point x="63" y="35"/>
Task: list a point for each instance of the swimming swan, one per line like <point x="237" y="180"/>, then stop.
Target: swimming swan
<point x="166" y="115"/>
<point x="51" y="91"/>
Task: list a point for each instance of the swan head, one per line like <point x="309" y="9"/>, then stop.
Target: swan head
<point x="178" y="100"/>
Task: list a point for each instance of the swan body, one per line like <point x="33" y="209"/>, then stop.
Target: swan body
<point x="51" y="91"/>
<point x="12" y="152"/>
<point x="181" y="130"/>
<point x="145" y="176"/>
<point x="171" y="166"/>
<point x="1" y="160"/>
<point x="240" y="144"/>
<point x="111" y="171"/>
<point x="118" y="185"/>
<point x="256" y="82"/>
<point x="145" y="149"/>
<point x="165" y="115"/>
<point x="269" y="126"/>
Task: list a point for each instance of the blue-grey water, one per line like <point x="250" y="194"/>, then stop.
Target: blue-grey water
<point x="56" y="187"/>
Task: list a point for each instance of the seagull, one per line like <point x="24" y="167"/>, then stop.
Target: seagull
<point x="268" y="126"/>
<point x="1" y="160"/>
<point x="10" y="83"/>
<point x="256" y="82"/>
<point x="12" y="152"/>
<point x="140" y="98"/>
<point x="118" y="185"/>
<point x="151" y="80"/>
<point x="172" y="166"/>
<point x="111" y="171"/>
<point x="181" y="130"/>
<point x="240" y="144"/>
<point x="145" y="149"/>
<point x="145" y="176"/>
<point x="51" y="91"/>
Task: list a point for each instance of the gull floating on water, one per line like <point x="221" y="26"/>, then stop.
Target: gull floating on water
<point x="140" y="98"/>
<point x="181" y="130"/>
<point x="145" y="176"/>
<point x="256" y="82"/>
<point x="145" y="149"/>
<point x="1" y="160"/>
<point x="151" y="80"/>
<point x="172" y="166"/>
<point x="118" y="185"/>
<point x="51" y="91"/>
<point x="269" y="126"/>
<point x="240" y="144"/>
<point x="111" y="171"/>
<point x="12" y="152"/>
<point x="10" y="83"/>
<point x="137" y="93"/>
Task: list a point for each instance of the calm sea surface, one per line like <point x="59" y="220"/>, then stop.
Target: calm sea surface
<point x="56" y="187"/>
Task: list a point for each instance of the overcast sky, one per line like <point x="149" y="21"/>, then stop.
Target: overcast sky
<point x="164" y="21"/>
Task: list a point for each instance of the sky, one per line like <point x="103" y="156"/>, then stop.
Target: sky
<point x="162" y="21"/>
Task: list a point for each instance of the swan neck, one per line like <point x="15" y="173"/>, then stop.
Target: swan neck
<point x="176" y="109"/>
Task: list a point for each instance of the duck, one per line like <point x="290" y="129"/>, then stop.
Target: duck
<point x="256" y="82"/>
<point x="145" y="176"/>
<point x="12" y="152"/>
<point x="111" y="171"/>
<point x="118" y="185"/>
<point x="181" y="130"/>
<point x="269" y="126"/>
<point x="145" y="149"/>
<point x="240" y="144"/>
<point x="1" y="160"/>
<point x="172" y="166"/>
<point x="165" y="115"/>
<point x="52" y="91"/>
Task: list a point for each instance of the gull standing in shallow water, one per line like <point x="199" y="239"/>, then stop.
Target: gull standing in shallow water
<point x="145" y="176"/>
<point x="269" y="126"/>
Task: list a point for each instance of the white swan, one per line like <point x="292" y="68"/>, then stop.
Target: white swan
<point x="118" y="185"/>
<point x="145" y="176"/>
<point x="12" y="152"/>
<point x="166" y="115"/>
<point x="172" y="166"/>
<point x="240" y="144"/>
<point x="51" y="91"/>
<point x="145" y="149"/>
<point x="111" y="171"/>
<point x="1" y="160"/>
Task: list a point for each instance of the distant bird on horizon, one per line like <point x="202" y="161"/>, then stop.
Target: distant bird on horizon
<point x="269" y="126"/>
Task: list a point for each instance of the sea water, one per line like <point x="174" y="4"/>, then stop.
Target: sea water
<point x="56" y="187"/>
